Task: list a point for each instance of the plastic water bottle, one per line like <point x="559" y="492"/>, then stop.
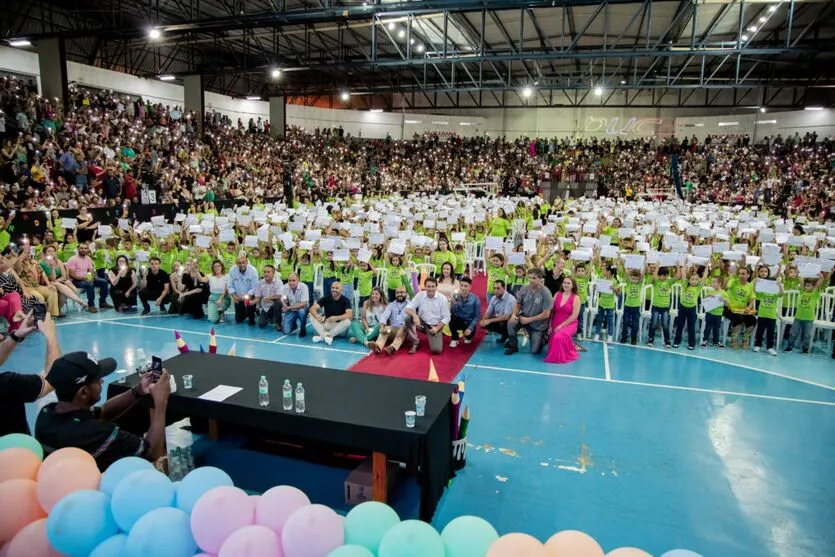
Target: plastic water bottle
<point x="287" y="396"/>
<point x="299" y="399"/>
<point x="263" y="392"/>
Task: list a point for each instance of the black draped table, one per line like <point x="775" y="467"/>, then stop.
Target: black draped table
<point x="355" y="410"/>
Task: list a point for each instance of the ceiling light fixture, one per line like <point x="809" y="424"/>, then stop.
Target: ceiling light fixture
<point x="275" y="73"/>
<point x="345" y="96"/>
<point x="401" y="33"/>
<point x="527" y="92"/>
<point x="753" y="29"/>
<point x="743" y="38"/>
<point x="154" y="34"/>
<point x="167" y="78"/>
<point x="772" y="9"/>
<point x="391" y="26"/>
<point x="763" y="19"/>
<point x="598" y="91"/>
<point x="420" y="48"/>
<point x="813" y="108"/>
<point x="253" y="98"/>
<point x="762" y="109"/>
<point x="19" y="43"/>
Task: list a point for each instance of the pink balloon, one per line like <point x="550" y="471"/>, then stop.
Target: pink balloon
<point x="65" y="477"/>
<point x="204" y="555"/>
<point x="17" y="463"/>
<point x="312" y="531"/>
<point x="218" y="514"/>
<point x="573" y="543"/>
<point x="4" y="550"/>
<point x="19" y="507"/>
<point x="252" y="541"/>
<point x="517" y="545"/>
<point x="277" y="504"/>
<point x="628" y="552"/>
<point x="62" y="455"/>
<point x="32" y="542"/>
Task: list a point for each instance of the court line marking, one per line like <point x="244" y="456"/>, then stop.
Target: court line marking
<point x="606" y="361"/>
<point x="734" y="364"/>
<point x="655" y="385"/>
<point x="105" y="320"/>
<point x="244" y="339"/>
<point x="295" y="332"/>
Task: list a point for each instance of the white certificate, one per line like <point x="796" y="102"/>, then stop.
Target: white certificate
<point x="767" y="286"/>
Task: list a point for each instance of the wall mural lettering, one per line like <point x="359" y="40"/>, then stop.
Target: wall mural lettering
<point x="613" y="126"/>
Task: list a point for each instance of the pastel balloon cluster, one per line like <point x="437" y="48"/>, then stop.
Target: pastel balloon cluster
<point x="63" y="507"/>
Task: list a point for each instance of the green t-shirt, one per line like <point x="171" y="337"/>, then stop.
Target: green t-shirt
<point x="167" y="259"/>
<point x="286" y="267"/>
<point x="689" y="294"/>
<point x="500" y="227"/>
<point x="632" y="294"/>
<point x="306" y="272"/>
<point x="67" y="251"/>
<point x="204" y="263"/>
<point x="582" y="287"/>
<point x="494" y="274"/>
<point x="460" y="264"/>
<point x="739" y="295"/>
<point x="723" y="295"/>
<point x="328" y="270"/>
<point x="345" y="274"/>
<point x="606" y="300"/>
<point x="806" y="304"/>
<point x="441" y="257"/>
<point x="365" y="282"/>
<point x="767" y="306"/>
<point x="662" y="292"/>
<point x="229" y="259"/>
<point x="394" y="277"/>
<point x="5" y="239"/>
<point x="789" y="284"/>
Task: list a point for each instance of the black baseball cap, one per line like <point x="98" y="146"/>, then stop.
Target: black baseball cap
<point x="72" y="371"/>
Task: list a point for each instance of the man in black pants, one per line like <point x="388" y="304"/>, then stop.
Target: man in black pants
<point x="499" y="310"/>
<point x="154" y="286"/>
<point x="464" y="313"/>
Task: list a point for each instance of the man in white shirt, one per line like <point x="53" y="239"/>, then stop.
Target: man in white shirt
<point x="267" y="296"/>
<point x="295" y="299"/>
<point x="428" y="313"/>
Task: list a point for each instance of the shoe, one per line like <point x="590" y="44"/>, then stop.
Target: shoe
<point x="413" y="349"/>
<point x="92" y="309"/>
<point x="145" y="312"/>
<point x="787" y="349"/>
<point x="609" y="339"/>
<point x="302" y="333"/>
<point x="691" y="347"/>
<point x="373" y="346"/>
<point x="772" y="352"/>
<point x="328" y="340"/>
<point x="623" y="340"/>
<point x="805" y="351"/>
<point x="674" y="346"/>
<point x="453" y="344"/>
<point x="468" y="340"/>
<point x="510" y="350"/>
<point x="649" y="343"/>
<point x="720" y="345"/>
<point x="105" y="306"/>
<point x="596" y="338"/>
<point x="634" y="342"/>
<point x="757" y="349"/>
<point x="389" y="350"/>
<point x="317" y="338"/>
<point x="667" y="345"/>
<point x="524" y="340"/>
<point x="703" y="344"/>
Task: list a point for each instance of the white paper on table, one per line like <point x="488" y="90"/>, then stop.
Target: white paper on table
<point x="227" y="236"/>
<point x="766" y="286"/>
<point x="809" y="271"/>
<point x="68" y="223"/>
<point x="202" y="241"/>
<point x="633" y="261"/>
<point x="493" y="243"/>
<point x="341" y="254"/>
<point x="516" y="258"/>
<point x="251" y="241"/>
<point x="604" y="286"/>
<point x="220" y="393"/>
<point x="713" y="302"/>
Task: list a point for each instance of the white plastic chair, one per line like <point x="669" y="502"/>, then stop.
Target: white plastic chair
<point x="318" y="281"/>
<point x="380" y="280"/>
<point x="646" y="310"/>
<point x="824" y="316"/>
<point x="701" y="320"/>
<point x="790" y="299"/>
<point x="519" y="226"/>
<point x="675" y="297"/>
<point x="619" y="305"/>
<point x="592" y="305"/>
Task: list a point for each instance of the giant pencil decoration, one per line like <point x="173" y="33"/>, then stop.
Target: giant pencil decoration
<point x="456" y="407"/>
<point x="181" y="344"/>
<point x="461" y="386"/>
<point x="212" y="342"/>
<point x="465" y="423"/>
<point x="433" y="375"/>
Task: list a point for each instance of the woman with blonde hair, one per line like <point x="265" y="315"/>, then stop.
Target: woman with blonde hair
<point x="34" y="283"/>
<point x="55" y="275"/>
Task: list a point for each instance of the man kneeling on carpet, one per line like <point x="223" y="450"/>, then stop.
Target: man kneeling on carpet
<point x="337" y="315"/>
<point x="392" y="321"/>
<point x="428" y="313"/>
<point x="465" y="311"/>
<point x="75" y="421"/>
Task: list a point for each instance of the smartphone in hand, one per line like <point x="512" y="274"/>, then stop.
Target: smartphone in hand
<point x="156" y="368"/>
<point x="39" y="311"/>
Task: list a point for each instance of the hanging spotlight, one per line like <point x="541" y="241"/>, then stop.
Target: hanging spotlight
<point x="420" y="48"/>
<point x="762" y="109"/>
<point x="345" y="96"/>
<point x="753" y="29"/>
<point x="598" y="91"/>
<point x="763" y="19"/>
<point x="391" y="26"/>
<point x="411" y="41"/>
<point x="276" y="73"/>
<point x="401" y="33"/>
<point x="772" y="9"/>
<point x="154" y="34"/>
<point x="527" y="92"/>
<point x="744" y="38"/>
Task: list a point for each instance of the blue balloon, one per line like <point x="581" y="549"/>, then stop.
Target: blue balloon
<point x="80" y="522"/>
<point x="139" y="494"/>
<point x="162" y="532"/>
<point x="412" y="538"/>
<point x="111" y="547"/>
<point x="120" y="470"/>
<point x="681" y="553"/>
<point x="468" y="536"/>
<point x="197" y="482"/>
<point x="349" y="551"/>
<point x="367" y="523"/>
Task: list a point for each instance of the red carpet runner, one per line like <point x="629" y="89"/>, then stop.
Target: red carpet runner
<point x="416" y="366"/>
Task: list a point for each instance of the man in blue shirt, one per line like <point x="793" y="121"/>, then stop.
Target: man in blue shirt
<point x="465" y="311"/>
<point x="391" y="322"/>
<point x="499" y="311"/>
<point x="243" y="278"/>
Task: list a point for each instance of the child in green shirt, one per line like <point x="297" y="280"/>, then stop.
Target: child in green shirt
<point x="397" y="276"/>
<point x="606" y="304"/>
<point x="691" y="289"/>
<point x="495" y="271"/>
<point x="713" y="318"/>
<point x="662" y="291"/>
<point x="807" y="303"/>
<point x="766" y="311"/>
<point x="631" y="306"/>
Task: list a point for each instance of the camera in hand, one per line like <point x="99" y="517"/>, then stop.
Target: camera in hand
<point x="39" y="311"/>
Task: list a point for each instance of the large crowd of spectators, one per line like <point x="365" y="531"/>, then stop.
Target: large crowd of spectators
<point x="107" y="149"/>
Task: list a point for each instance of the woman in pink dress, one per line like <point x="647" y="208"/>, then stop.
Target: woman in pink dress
<point x="561" y="349"/>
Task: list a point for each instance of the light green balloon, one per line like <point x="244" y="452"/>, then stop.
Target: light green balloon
<point x="412" y="538"/>
<point x="468" y="536"/>
<point x="21" y="441"/>
<point x="350" y="551"/>
<point x="367" y="523"/>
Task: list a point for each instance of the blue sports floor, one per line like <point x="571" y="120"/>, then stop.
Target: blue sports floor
<point x="721" y="452"/>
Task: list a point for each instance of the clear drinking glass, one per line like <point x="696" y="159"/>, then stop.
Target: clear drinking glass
<point x="410" y="418"/>
<point x="121" y="375"/>
<point x="420" y="405"/>
<point x="187" y="381"/>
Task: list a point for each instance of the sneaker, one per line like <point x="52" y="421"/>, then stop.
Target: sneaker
<point x="674" y="346"/>
<point x="703" y="344"/>
<point x="634" y="342"/>
<point x="596" y="338"/>
<point x="302" y="332"/>
<point x="328" y="340"/>
<point x="691" y="347"/>
<point x="510" y="350"/>
<point x="668" y="345"/>
<point x="453" y="344"/>
<point x="649" y="343"/>
<point x="772" y="352"/>
<point x="92" y="309"/>
<point x="524" y="342"/>
<point x="467" y="340"/>
<point x="757" y="349"/>
<point x="105" y="305"/>
<point x="373" y="346"/>
<point x="609" y="339"/>
<point x="720" y="345"/>
<point x="317" y="338"/>
<point x="787" y="349"/>
<point x="145" y="312"/>
<point x="805" y="351"/>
